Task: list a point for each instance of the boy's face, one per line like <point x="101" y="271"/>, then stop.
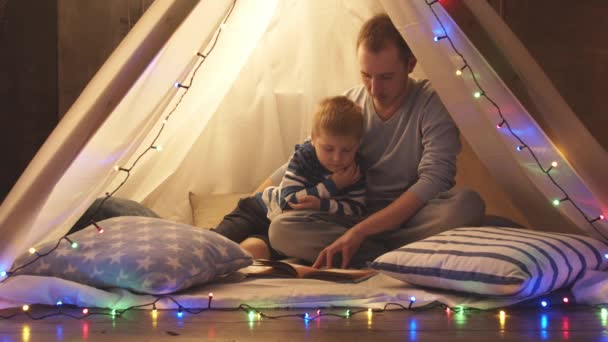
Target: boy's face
<point x="335" y="152"/>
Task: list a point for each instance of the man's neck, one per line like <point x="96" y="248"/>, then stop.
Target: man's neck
<point x="387" y="112"/>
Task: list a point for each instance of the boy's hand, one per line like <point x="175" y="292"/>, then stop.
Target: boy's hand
<point x="306" y="203"/>
<point x="346" y="177"/>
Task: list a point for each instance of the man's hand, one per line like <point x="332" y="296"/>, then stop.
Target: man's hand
<point x="347" y="244"/>
<point x="306" y="203"/>
<point x="347" y="176"/>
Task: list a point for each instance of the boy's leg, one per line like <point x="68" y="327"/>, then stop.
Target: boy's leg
<point x="450" y="209"/>
<point x="247" y="219"/>
<point x="303" y="234"/>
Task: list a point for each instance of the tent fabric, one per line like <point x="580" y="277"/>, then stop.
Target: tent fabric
<point x="247" y="105"/>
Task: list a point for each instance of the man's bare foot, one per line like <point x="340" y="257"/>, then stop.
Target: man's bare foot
<point x="256" y="247"/>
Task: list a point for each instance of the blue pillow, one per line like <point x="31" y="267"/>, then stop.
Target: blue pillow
<point x="142" y="254"/>
<point x="492" y="261"/>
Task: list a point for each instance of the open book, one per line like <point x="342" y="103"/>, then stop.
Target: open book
<point x="285" y="269"/>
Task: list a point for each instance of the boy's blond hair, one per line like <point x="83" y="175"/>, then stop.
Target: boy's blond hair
<point x="338" y="116"/>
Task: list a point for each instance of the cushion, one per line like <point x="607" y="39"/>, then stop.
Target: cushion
<point x="142" y="254"/>
<point x="112" y="207"/>
<point x="209" y="210"/>
<point x="495" y="261"/>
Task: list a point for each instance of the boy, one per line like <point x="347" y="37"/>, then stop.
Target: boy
<point x="322" y="174"/>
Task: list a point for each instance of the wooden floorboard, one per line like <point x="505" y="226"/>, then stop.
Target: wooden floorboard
<point x="584" y="324"/>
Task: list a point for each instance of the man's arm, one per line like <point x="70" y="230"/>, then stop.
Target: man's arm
<point x="383" y="220"/>
<point x="266" y="183"/>
<point x="273" y="179"/>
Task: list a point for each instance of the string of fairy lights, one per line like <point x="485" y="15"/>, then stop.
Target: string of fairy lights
<point x="127" y="170"/>
<point x="252" y="312"/>
<point x="504" y="123"/>
<point x="256" y="314"/>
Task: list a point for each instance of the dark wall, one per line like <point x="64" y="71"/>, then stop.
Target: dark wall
<point x="568" y="39"/>
<point x="49" y="50"/>
<point x="28" y="82"/>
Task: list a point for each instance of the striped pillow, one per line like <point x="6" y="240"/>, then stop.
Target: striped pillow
<point x="495" y="261"/>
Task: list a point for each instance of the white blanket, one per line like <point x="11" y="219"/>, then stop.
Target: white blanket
<point x="235" y="289"/>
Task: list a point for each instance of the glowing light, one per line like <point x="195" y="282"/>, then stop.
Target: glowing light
<point x="459" y="71"/>
<point x="544" y="303"/>
<point x="412" y="299"/>
<point x="180" y="312"/>
<point x="556" y="202"/>
<point x="520" y="147"/>
<point x="565" y="300"/>
<point x="32" y="250"/>
<point x="606" y="256"/>
<point x="502" y="319"/>
<point x="85" y="311"/>
<point x="554" y="164"/>
<point x="438" y="38"/>
<point x="59" y="303"/>
<point x="113" y="313"/>
<point x="25" y="307"/>
<point x="3" y="274"/>
<point x="306" y="316"/>
<point x="604" y="314"/>
<point x="158" y="148"/>
<point x="74" y="244"/>
<point x="477" y="94"/>
<point x="251" y="315"/>
<point x="347" y="313"/>
<point x="318" y="312"/>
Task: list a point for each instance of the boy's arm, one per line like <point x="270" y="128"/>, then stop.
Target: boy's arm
<point x="351" y="203"/>
<point x="294" y="186"/>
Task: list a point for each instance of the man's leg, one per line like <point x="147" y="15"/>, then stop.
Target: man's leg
<point x="450" y="209"/>
<point x="303" y="234"/>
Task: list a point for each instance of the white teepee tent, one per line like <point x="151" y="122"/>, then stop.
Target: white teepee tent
<point x="237" y="116"/>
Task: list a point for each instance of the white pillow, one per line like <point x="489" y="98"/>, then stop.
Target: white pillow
<point x="209" y="210"/>
<point x="495" y="261"/>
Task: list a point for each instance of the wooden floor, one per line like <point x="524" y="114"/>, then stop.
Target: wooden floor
<point x="585" y="324"/>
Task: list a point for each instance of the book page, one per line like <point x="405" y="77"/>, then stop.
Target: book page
<point x="275" y="268"/>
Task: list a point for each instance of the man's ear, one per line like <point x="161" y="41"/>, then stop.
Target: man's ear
<point x="411" y="64"/>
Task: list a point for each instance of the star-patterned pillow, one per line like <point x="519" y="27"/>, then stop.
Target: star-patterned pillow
<point x="142" y="254"/>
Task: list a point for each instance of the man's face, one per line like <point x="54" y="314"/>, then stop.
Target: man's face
<point x="384" y="75"/>
<point x="335" y="152"/>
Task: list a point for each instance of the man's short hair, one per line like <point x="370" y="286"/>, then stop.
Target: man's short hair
<point x="378" y="32"/>
<point x="338" y="116"/>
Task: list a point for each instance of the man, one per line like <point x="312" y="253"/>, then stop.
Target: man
<point x="409" y="153"/>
